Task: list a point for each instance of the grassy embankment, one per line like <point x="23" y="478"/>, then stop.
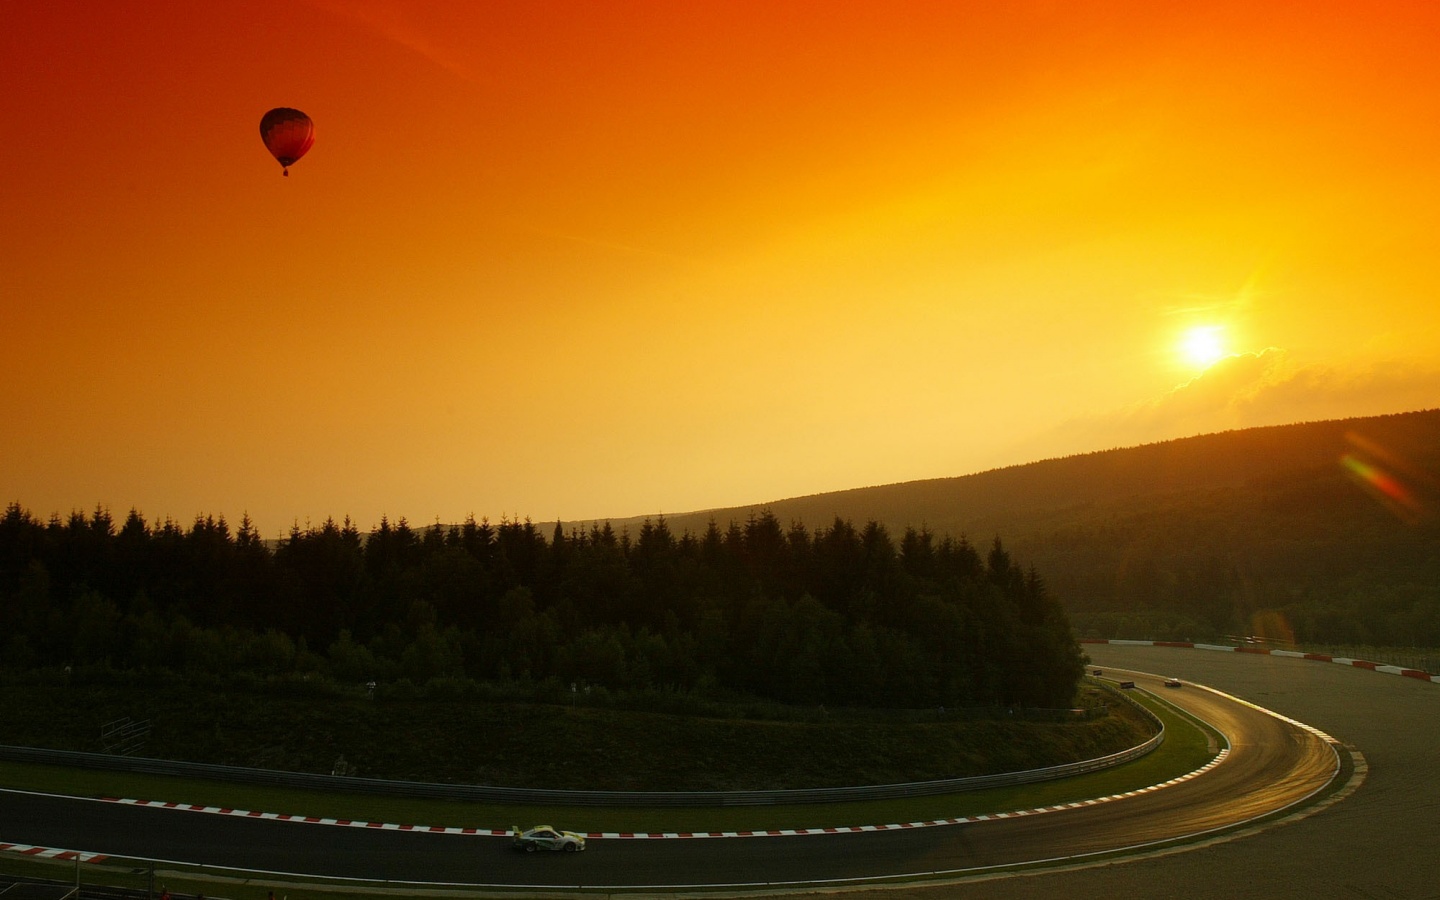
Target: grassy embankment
<point x="537" y="745"/>
<point x="1186" y="748"/>
<point x="551" y="747"/>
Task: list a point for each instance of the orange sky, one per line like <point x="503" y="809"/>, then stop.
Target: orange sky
<point x="583" y="260"/>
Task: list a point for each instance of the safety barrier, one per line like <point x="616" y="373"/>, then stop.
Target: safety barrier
<point x="1419" y="674"/>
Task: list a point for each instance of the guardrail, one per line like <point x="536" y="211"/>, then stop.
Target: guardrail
<point x="486" y="793"/>
<point x="1422" y="674"/>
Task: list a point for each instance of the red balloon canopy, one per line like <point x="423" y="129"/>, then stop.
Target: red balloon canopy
<point x="287" y="134"/>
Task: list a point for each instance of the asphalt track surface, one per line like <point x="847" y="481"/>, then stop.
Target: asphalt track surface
<point x="1272" y="765"/>
<point x="1380" y="843"/>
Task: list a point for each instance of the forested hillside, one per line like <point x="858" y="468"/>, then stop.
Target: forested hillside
<point x="840" y="616"/>
<point x="1322" y="532"/>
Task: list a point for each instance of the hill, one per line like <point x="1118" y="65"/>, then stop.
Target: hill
<point x="1323" y="531"/>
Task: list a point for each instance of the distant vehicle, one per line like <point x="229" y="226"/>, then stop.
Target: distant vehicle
<point x="1172" y="682"/>
<point x="1127" y="685"/>
<point x="1097" y="672"/>
<point x="547" y="837"/>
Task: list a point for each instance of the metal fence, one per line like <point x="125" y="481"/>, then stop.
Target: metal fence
<point x="51" y="889"/>
<point x="124" y="736"/>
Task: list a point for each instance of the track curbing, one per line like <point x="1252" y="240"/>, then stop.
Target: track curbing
<point x="1418" y="674"/>
<point x="685" y="835"/>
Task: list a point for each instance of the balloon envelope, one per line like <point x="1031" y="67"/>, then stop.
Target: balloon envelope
<point x="287" y="134"/>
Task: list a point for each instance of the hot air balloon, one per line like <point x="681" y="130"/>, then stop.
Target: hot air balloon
<point x="287" y="134"/>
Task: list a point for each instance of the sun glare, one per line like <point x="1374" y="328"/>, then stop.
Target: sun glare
<point x="1204" y="345"/>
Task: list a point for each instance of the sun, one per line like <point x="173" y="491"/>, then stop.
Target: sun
<point x="1204" y="345"/>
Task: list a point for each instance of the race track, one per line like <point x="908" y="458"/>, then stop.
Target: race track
<point x="1272" y="765"/>
<point x="1377" y="844"/>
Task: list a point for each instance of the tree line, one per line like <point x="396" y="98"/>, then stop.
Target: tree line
<point x="843" y="615"/>
<point x="1319" y="533"/>
<point x="1306" y="558"/>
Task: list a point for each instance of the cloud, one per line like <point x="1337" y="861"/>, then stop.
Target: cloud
<point x="1283" y="393"/>
<point x="1225" y="388"/>
<point x="1251" y="390"/>
<point x="394" y="23"/>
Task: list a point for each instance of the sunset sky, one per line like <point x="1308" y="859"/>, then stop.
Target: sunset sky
<point x="586" y="260"/>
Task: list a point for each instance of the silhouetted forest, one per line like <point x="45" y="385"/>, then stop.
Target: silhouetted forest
<point x="1321" y="532"/>
<point x="843" y="616"/>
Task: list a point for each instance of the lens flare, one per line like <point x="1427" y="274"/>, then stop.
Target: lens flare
<point x="1271" y="626"/>
<point x="1390" y="490"/>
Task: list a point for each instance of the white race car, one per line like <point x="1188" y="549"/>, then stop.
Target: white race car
<point x="547" y="837"/>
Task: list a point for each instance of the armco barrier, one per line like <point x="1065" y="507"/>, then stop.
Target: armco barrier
<point x="1405" y="671"/>
<point x="485" y="793"/>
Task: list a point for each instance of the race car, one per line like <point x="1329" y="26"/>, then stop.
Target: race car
<point x="547" y="837"/>
<point x="1172" y="682"/>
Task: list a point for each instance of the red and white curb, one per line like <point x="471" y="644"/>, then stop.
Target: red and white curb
<point x="670" y="835"/>
<point x="306" y="820"/>
<point x="1266" y="651"/>
<point x="48" y="853"/>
